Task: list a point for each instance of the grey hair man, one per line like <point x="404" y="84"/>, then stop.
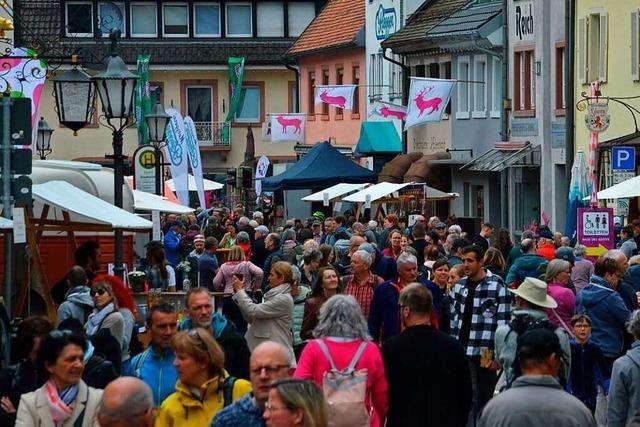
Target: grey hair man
<point x="126" y="401"/>
<point x="361" y="282"/>
<point x="624" y="397"/>
<point x="530" y="264"/>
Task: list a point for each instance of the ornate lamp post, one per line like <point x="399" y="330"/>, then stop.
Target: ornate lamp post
<point x="43" y="142"/>
<point x="157" y="121"/>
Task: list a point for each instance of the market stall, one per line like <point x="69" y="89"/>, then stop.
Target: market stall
<point x="334" y="192"/>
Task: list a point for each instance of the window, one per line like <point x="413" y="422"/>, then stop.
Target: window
<point x="496" y="88"/>
<point x="463" y="88"/>
<point x="111" y="16"/>
<point x="339" y="81"/>
<point x="480" y="87"/>
<point x="156" y="91"/>
<point x="325" y="106"/>
<point x="175" y="20"/>
<point x="270" y="19"/>
<point x="206" y="20"/>
<point x="143" y="20"/>
<point x="300" y="15"/>
<point x="79" y="19"/>
<point x="375" y="74"/>
<point x="592" y="47"/>
<point x="355" y="111"/>
<point x="395" y="71"/>
<point x="434" y="70"/>
<point x="198" y="100"/>
<point x="251" y="109"/>
<point x="560" y="88"/>
<point x="293" y="97"/>
<point x="420" y="71"/>
<point x="239" y="22"/>
<point x="312" y="94"/>
<point x="524" y="83"/>
<point x="445" y="72"/>
<point x="635" y="45"/>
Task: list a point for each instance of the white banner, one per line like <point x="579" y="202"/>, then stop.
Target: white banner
<point x="288" y="127"/>
<point x="261" y="172"/>
<point x="194" y="157"/>
<point x="336" y="96"/>
<point x="176" y="152"/>
<point x="388" y="110"/>
<point x="428" y="99"/>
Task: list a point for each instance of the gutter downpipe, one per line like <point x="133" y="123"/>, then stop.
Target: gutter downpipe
<point x="569" y="81"/>
<point x="297" y="73"/>
<point x="406" y="74"/>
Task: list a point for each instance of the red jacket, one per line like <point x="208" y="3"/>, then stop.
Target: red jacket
<point x="547" y="251"/>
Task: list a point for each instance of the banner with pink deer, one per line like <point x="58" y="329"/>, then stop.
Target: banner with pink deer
<point x="388" y="110"/>
<point x="287" y="127"/>
<point x="337" y="96"/>
<point x="428" y="99"/>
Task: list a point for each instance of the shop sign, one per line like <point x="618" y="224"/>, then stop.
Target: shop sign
<point x="595" y="230"/>
<point x="144" y="171"/>
<point x="386" y="22"/>
<point x="597" y="119"/>
<point x="523" y="21"/>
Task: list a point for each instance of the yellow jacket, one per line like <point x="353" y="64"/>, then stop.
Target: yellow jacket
<point x="182" y="408"/>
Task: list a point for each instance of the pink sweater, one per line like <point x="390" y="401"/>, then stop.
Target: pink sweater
<point x="224" y="278"/>
<point x="566" y="304"/>
<point x="313" y="364"/>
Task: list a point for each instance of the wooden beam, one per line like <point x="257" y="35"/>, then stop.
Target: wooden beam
<point x="43" y="216"/>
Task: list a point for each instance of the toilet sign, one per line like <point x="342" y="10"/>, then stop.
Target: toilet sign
<point x="595" y="230"/>
<point x="623" y="158"/>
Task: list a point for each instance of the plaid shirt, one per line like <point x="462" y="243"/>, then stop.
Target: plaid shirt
<point x="362" y="293"/>
<point x="491" y="308"/>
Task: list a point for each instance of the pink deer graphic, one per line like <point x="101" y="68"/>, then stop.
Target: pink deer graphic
<point x="337" y="101"/>
<point x="424" y="104"/>
<point x="285" y="123"/>
<point x="388" y="112"/>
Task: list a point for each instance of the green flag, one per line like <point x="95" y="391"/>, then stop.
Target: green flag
<point x="236" y="75"/>
<point x="143" y="98"/>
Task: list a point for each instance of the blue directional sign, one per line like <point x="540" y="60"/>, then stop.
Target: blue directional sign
<point x="623" y="158"/>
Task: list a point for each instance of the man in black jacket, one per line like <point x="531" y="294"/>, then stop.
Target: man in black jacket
<point x="427" y="370"/>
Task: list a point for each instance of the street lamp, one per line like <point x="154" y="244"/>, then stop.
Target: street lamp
<point x="116" y="86"/>
<point x="157" y="121"/>
<point x="43" y="142"/>
<point x="75" y="94"/>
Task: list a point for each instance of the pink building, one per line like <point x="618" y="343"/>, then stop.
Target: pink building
<point x="331" y="52"/>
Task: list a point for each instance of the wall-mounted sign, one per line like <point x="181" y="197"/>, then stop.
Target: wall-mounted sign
<point x="597" y="119"/>
<point x="386" y="22"/>
<point x="523" y="28"/>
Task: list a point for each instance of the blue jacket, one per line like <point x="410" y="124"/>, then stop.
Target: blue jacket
<point x="608" y="315"/>
<point x="528" y="265"/>
<point x="172" y="248"/>
<point x="157" y="371"/>
<point x="632" y="277"/>
<point x="384" y="319"/>
<point x="243" y="413"/>
<point x="384" y="266"/>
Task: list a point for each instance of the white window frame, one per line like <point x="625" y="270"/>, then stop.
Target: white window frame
<point x="195" y="16"/>
<point x="635" y="44"/>
<point x="226" y="21"/>
<point x="496" y="74"/>
<point x="443" y="75"/>
<point x="251" y="119"/>
<point x="186" y="6"/>
<point x="282" y="4"/>
<point x="463" y="114"/>
<point x="600" y="73"/>
<point x="155" y="6"/>
<point x="66" y="19"/>
<point x="479" y="61"/>
<point x="123" y="8"/>
<point x="289" y="17"/>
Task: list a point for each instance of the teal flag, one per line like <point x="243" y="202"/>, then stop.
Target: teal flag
<point x="236" y="76"/>
<point x="143" y="98"/>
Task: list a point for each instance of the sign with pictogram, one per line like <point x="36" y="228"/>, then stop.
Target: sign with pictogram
<point x="144" y="169"/>
<point x="595" y="230"/>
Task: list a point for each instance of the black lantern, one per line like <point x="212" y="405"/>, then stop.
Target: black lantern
<point x="43" y="142"/>
<point x="74" y="93"/>
<point x="157" y="121"/>
<point x="116" y="86"/>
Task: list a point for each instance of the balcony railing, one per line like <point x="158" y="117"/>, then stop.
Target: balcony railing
<point x="210" y="134"/>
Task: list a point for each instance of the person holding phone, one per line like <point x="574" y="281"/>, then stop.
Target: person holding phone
<point x="247" y="273"/>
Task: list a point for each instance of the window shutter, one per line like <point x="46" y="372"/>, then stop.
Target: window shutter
<point x="635" y="74"/>
<point x="582" y="50"/>
<point x="604" y="44"/>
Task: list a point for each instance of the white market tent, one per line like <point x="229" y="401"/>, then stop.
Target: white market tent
<point x="5" y="224"/>
<point x="385" y="189"/>
<point x="333" y="192"/>
<point x="144" y="201"/>
<point x="625" y="189"/>
<point x="86" y="207"/>
<point x="208" y="184"/>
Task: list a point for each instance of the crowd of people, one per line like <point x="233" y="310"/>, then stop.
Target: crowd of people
<point x="329" y="321"/>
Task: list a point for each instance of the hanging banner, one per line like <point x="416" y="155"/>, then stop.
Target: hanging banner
<point x="594" y="89"/>
<point x="23" y="75"/>
<point x="427" y="100"/>
<point x="261" y="173"/>
<point x="176" y="150"/>
<point x="195" y="161"/>
<point x="236" y="76"/>
<point x="143" y="98"/>
<point x="336" y="96"/>
<point x="597" y="118"/>
<point x="288" y="127"/>
<point x="388" y="110"/>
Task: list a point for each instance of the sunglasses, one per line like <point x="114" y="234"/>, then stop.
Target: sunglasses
<point x="94" y="292"/>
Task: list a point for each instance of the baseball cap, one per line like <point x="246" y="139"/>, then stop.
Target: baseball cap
<point x="198" y="238"/>
<point x="316" y="224"/>
<point x="565" y="253"/>
<point x="441" y="225"/>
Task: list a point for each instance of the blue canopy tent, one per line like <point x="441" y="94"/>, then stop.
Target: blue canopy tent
<point x="322" y="167"/>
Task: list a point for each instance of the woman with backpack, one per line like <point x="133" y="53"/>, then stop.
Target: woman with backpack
<point x="343" y="351"/>
<point x="203" y="386"/>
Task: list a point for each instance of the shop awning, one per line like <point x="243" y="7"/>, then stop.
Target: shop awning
<point x="333" y="192"/>
<point x="623" y="190"/>
<point x="499" y="158"/>
<point x="5" y="224"/>
<point x="64" y="196"/>
<point x="384" y="189"/>
<point x="378" y="137"/>
<point x="208" y="184"/>
<point x="144" y="201"/>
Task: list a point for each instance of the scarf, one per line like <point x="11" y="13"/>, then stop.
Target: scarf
<point x="60" y="404"/>
<point x="89" y="353"/>
<point x="95" y="319"/>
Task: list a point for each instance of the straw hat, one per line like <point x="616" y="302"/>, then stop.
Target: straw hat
<point x="535" y="291"/>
